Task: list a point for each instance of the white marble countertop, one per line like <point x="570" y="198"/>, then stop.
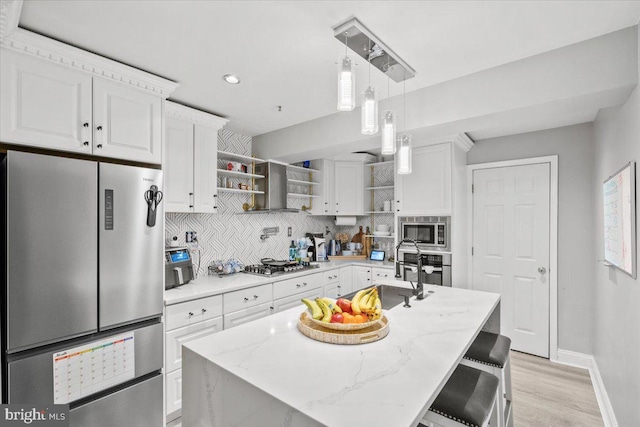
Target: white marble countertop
<point x="391" y="382"/>
<point x="205" y="286"/>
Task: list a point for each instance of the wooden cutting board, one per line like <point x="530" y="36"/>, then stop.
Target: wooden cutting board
<point x="357" y="238"/>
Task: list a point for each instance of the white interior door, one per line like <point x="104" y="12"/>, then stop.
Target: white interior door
<point x="511" y="249"/>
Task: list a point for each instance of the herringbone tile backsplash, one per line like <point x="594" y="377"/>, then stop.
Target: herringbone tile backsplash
<point x="232" y="234"/>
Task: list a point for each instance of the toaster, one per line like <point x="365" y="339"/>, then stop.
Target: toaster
<point x="178" y="267"/>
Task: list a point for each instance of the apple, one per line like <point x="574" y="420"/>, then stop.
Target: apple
<point x="344" y="304"/>
<point x="337" y="318"/>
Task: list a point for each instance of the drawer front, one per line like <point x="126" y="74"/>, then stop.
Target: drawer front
<point x="245" y="298"/>
<point x="294" y="300"/>
<point x="332" y="276"/>
<point x="382" y="273"/>
<point x="294" y="286"/>
<point x="174" y="392"/>
<point x="190" y="312"/>
<point x="177" y="337"/>
<point x="247" y="315"/>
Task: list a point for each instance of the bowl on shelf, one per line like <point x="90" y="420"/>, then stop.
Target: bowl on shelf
<point x="382" y="228"/>
<point x="382" y="233"/>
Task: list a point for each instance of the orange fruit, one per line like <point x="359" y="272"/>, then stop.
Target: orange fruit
<point x="361" y="318"/>
<point x="348" y="318"/>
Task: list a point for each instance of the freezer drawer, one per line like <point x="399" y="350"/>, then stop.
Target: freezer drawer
<point x="139" y="405"/>
<point x="52" y="253"/>
<point x="131" y="284"/>
<point x="31" y="379"/>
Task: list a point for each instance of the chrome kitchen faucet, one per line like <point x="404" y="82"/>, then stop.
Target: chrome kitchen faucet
<point x="418" y="289"/>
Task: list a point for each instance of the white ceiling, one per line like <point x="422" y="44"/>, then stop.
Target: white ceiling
<point x="285" y="52"/>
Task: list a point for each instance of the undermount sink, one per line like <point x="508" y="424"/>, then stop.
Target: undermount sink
<point x="389" y="295"/>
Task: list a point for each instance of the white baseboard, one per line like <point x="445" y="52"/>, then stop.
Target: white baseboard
<point x="587" y="361"/>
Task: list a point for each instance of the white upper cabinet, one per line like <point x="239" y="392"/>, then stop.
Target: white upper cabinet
<point x="325" y="204"/>
<point x="44" y="105"/>
<point x="348" y="188"/>
<point x="127" y="123"/>
<point x="178" y="165"/>
<point x="427" y="189"/>
<point x="190" y="159"/>
<point x="52" y="106"/>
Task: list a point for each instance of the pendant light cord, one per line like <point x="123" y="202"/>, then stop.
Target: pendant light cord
<point x="404" y="101"/>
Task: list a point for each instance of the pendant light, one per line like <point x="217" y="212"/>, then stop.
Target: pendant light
<point x="404" y="140"/>
<point x="369" y="107"/>
<point x="388" y="126"/>
<point x="346" y="80"/>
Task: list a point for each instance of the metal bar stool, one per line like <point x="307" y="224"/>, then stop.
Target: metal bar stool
<point x="469" y="398"/>
<point x="490" y="353"/>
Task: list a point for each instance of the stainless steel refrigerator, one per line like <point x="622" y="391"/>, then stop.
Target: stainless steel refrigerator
<point x="82" y="288"/>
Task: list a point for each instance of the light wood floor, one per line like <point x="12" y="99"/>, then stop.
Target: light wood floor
<point x="547" y="394"/>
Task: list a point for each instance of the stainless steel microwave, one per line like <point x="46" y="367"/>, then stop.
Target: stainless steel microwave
<point x="426" y="231"/>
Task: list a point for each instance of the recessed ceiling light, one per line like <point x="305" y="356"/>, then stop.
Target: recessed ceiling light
<point x="231" y="79"/>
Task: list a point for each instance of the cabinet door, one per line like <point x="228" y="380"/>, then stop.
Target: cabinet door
<point x="346" y="279"/>
<point x="247" y="315"/>
<point x="127" y="123"/>
<point x="178" y="165"/>
<point x="325" y="204"/>
<point x="334" y="290"/>
<point x="44" y="105"/>
<point x="177" y="337"/>
<point x="174" y="392"/>
<point x="348" y="188"/>
<point x="361" y="277"/>
<point x="427" y="190"/>
<point x="205" y="164"/>
<point x="294" y="300"/>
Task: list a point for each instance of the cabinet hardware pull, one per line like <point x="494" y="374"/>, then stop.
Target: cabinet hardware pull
<point x="99" y="128"/>
<point x="190" y="314"/>
<point x="191" y="194"/>
<point x="255" y="297"/>
<point x="85" y="125"/>
<point x="246" y="299"/>
<point x="85" y="143"/>
<point x="99" y="146"/>
<point x="339" y="286"/>
<point x="190" y="206"/>
<point x="304" y="283"/>
<point x="204" y="310"/>
<point x="298" y="285"/>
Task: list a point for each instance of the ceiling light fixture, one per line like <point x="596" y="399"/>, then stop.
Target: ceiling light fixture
<point x="231" y="79"/>
<point x="404" y="140"/>
<point x="346" y="80"/>
<point x="388" y="128"/>
<point x="369" y="106"/>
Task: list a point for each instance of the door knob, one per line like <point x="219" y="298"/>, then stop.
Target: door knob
<point x="542" y="270"/>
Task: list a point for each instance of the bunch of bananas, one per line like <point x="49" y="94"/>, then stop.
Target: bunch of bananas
<point x="322" y="308"/>
<point x="368" y="302"/>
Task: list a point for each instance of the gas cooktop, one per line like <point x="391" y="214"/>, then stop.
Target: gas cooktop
<point x="272" y="267"/>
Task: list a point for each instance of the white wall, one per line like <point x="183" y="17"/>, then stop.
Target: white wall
<point x="616" y="318"/>
<point x="574" y="147"/>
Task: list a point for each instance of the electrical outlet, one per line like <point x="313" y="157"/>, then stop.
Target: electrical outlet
<point x="191" y="236"/>
<point x="289" y="231"/>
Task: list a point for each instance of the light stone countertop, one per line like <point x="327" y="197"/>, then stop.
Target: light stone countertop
<point x="206" y="286"/>
<point x="267" y="373"/>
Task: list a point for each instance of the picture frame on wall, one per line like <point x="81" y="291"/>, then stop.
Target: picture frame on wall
<point x="619" y="197"/>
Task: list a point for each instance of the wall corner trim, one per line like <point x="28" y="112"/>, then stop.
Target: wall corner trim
<point x="463" y="141"/>
<point x="587" y="361"/>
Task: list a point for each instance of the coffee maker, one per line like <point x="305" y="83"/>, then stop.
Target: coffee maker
<point x="319" y="247"/>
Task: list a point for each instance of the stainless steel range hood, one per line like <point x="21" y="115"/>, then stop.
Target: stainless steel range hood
<point x="274" y="198"/>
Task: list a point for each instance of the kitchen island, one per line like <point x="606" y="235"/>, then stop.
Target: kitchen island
<point x="266" y="373"/>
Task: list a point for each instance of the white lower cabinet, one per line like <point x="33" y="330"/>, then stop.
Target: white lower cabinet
<point x="247" y="315"/>
<point x="186" y="322"/>
<point x="378" y="274"/>
<point x="361" y="277"/>
<point x="174" y="394"/>
<point x="286" y="303"/>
